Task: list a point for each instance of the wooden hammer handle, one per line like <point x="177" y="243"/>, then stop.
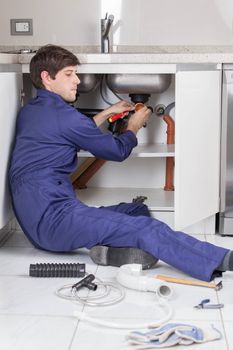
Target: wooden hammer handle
<point x="186" y="281"/>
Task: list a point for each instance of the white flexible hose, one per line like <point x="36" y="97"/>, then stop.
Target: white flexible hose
<point x="130" y="276"/>
<point x="162" y="303"/>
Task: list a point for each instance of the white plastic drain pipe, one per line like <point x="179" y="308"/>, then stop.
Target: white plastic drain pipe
<point x="130" y="276"/>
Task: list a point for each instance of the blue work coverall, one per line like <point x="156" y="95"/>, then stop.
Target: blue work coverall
<point x="49" y="134"/>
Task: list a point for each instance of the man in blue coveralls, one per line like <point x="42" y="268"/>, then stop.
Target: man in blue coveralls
<point x="49" y="134"/>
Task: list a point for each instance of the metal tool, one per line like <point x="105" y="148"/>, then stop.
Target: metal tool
<point x="139" y="199"/>
<point x="213" y="285"/>
<point x="204" y="304"/>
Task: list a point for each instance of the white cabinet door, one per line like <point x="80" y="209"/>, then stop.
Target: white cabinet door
<point x="197" y="146"/>
<point x="10" y="87"/>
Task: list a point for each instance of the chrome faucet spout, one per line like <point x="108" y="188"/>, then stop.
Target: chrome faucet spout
<point x="106" y="24"/>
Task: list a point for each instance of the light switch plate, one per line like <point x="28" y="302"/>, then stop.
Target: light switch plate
<point x="21" y="26"/>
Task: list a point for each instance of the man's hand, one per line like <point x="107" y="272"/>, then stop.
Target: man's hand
<point x="138" y="119"/>
<point x="122" y="106"/>
<point x="119" y="107"/>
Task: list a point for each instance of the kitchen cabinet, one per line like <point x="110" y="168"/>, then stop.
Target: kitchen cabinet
<point x="196" y="90"/>
<point x="197" y="156"/>
<point x="10" y="101"/>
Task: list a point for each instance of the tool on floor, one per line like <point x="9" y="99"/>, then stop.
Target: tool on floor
<point x="86" y="282"/>
<point x="139" y="199"/>
<point x="204" y="304"/>
<point x="57" y="270"/>
<point x="188" y="282"/>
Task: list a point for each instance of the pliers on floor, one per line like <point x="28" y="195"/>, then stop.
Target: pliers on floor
<point x="204" y="304"/>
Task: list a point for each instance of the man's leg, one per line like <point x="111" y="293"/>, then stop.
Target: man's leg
<point x="132" y="209"/>
<point x="82" y="226"/>
<point x="117" y="256"/>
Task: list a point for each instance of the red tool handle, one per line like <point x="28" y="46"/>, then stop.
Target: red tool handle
<point x="117" y="116"/>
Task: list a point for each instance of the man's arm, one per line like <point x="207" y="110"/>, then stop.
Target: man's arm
<point x="135" y="122"/>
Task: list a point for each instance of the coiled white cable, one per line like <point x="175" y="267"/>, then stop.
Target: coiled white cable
<point x="107" y="288"/>
<point x="91" y="299"/>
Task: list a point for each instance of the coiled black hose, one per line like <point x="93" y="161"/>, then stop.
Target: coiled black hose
<point x="57" y="270"/>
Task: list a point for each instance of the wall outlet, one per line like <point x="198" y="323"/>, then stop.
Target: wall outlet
<point x="21" y="26"/>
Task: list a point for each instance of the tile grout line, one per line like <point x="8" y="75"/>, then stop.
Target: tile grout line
<point x="5" y="238"/>
<point x="79" y="321"/>
<point x="223" y="323"/>
<point x="75" y="331"/>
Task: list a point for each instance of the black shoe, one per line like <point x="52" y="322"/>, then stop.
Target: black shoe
<point x="109" y="256"/>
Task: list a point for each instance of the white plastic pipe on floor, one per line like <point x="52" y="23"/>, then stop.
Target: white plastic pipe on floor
<point x="130" y="276"/>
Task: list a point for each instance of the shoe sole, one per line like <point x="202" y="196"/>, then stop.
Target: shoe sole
<point x="110" y="256"/>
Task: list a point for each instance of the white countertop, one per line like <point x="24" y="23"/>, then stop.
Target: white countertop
<point x="8" y="58"/>
<point x="138" y="54"/>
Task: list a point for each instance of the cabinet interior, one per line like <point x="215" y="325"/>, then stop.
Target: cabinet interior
<point x="143" y="173"/>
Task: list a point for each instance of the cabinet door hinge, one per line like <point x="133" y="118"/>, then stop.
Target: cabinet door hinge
<point x="22" y="95"/>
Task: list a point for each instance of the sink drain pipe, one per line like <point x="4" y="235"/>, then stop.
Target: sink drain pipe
<point x="163" y="111"/>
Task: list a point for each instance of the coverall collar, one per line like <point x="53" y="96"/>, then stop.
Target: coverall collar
<point x="47" y="93"/>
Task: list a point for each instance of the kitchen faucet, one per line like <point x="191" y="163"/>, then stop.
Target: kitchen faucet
<point x="105" y="29"/>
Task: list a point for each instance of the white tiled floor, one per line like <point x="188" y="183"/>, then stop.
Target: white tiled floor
<point x="32" y="317"/>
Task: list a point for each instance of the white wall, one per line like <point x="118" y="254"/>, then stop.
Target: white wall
<point x="137" y="22"/>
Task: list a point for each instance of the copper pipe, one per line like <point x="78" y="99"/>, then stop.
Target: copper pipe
<point x="138" y="106"/>
<point x="81" y="181"/>
<point x="78" y="172"/>
<point x="169" y="160"/>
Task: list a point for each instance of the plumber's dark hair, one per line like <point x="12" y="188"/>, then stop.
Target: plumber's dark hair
<point x="50" y="58"/>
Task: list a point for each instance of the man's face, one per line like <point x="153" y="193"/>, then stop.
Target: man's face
<point x="65" y="83"/>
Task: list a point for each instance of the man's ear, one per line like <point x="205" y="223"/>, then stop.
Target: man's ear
<point x="46" y="78"/>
